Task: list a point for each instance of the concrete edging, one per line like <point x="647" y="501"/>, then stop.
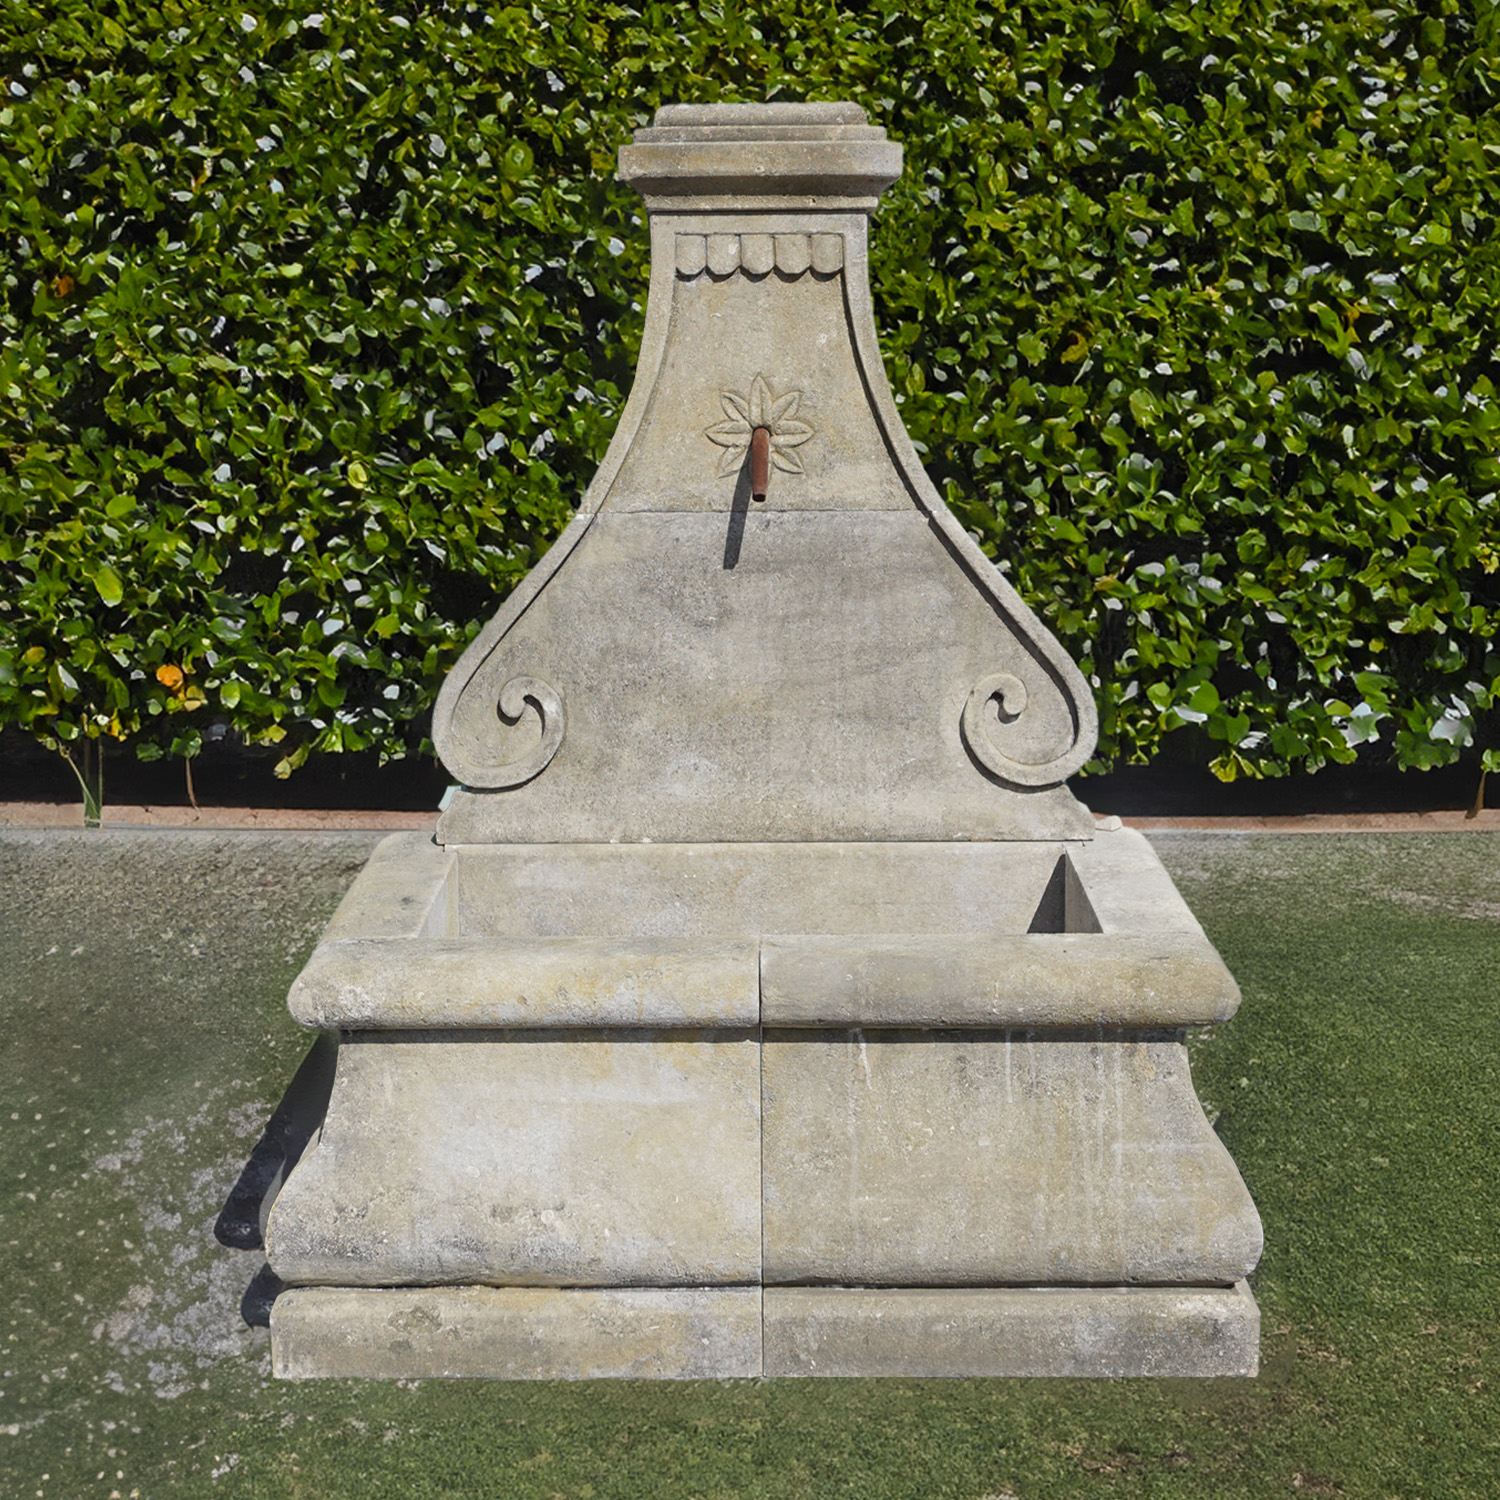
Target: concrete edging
<point x="279" y="819"/>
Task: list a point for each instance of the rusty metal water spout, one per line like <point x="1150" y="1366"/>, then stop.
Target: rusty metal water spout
<point x="760" y="462"/>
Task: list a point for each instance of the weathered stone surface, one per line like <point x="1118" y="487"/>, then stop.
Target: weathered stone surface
<point x="370" y="984"/>
<point x="923" y="1159"/>
<point x="1128" y="889"/>
<point x="414" y="887"/>
<point x="1010" y="1331"/>
<point x="517" y="1333"/>
<point x="792" y="332"/>
<point x="769" y="118"/>
<point x="516" y="1158"/>
<point x="1034" y="979"/>
<point x="960" y="934"/>
<point x="693" y="892"/>
<point x="813" y="691"/>
<point x="784" y="156"/>
<point x="400" y="893"/>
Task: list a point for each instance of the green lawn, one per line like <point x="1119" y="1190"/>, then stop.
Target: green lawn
<point x="142" y="984"/>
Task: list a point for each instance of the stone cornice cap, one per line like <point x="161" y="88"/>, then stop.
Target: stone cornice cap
<point x="794" y="157"/>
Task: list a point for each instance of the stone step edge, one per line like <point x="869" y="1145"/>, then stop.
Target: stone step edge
<point x="537" y="1333"/>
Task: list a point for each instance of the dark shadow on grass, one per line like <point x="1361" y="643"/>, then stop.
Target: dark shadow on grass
<point x="255" y="1306"/>
<point x="242" y="1221"/>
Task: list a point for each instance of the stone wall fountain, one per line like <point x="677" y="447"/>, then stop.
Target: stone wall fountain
<point x="766" y="1003"/>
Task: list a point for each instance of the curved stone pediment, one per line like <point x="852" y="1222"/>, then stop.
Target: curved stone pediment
<point x="837" y="660"/>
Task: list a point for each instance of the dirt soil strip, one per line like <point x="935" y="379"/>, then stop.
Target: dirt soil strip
<point x="70" y="815"/>
<point x="1487" y="821"/>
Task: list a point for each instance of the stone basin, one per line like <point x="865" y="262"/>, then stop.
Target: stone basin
<point x="747" y="934"/>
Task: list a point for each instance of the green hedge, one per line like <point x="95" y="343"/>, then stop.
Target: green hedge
<point x="316" y="323"/>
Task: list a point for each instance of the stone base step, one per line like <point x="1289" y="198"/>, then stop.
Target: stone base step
<point x="700" y="1333"/>
<point x="1011" y="1331"/>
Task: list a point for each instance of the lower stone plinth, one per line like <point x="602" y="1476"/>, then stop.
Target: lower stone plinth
<point x="555" y="1158"/>
<point x="707" y="1333"/>
<point x="1011" y="1331"/>
<point x="992" y="1159"/>
<point x="516" y="1333"/>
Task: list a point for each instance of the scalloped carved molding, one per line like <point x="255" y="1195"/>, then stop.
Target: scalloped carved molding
<point x="758" y="255"/>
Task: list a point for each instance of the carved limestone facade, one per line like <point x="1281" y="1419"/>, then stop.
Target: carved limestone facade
<point x="767" y="1004"/>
